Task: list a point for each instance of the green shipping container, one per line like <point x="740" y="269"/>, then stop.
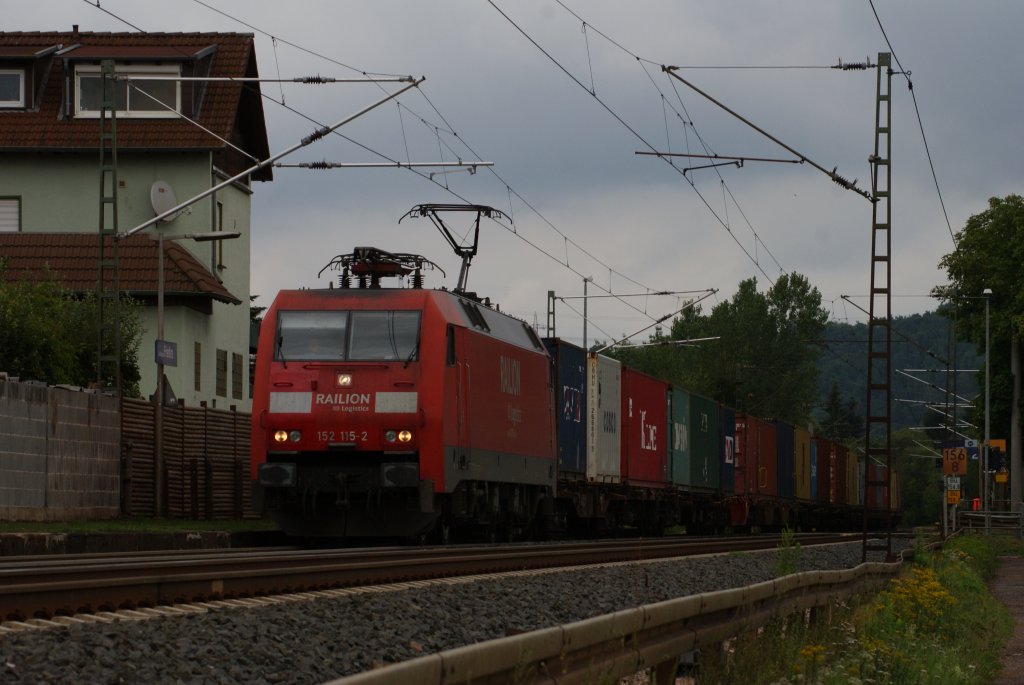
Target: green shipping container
<point x="679" y="429"/>
<point x="704" y="436"/>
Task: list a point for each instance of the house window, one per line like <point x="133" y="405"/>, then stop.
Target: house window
<point x="198" y="369"/>
<point x="137" y="97"/>
<point x="12" y="88"/>
<point x="10" y="214"/>
<point x="236" y="376"/>
<point x="222" y="373"/>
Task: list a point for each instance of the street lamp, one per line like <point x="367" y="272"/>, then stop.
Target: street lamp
<point x="161" y="355"/>
<point x="986" y="495"/>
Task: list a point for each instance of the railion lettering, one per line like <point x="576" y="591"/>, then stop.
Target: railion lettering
<point x="342" y="398"/>
<point x="510" y="375"/>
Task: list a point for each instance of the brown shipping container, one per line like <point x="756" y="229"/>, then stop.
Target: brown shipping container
<point x="837" y="485"/>
<point x="825" y="453"/>
<point x="854" y="481"/>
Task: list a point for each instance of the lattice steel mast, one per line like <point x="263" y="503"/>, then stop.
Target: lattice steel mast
<point x="878" y="408"/>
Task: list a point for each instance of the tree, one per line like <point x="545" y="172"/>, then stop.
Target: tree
<point x="989" y="253"/>
<point x="45" y="334"/>
<point x="33" y="333"/>
<point x="763" y="360"/>
<point x="844" y="422"/>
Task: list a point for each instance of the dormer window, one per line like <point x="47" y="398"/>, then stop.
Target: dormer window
<point x="12" y="88"/>
<point x="142" y="95"/>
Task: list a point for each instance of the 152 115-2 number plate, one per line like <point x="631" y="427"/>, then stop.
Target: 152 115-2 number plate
<point x="341" y="436"/>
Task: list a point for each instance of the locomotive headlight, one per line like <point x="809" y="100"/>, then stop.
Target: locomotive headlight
<point x="280" y="436"/>
<point x="404" y="436"/>
<point x="344" y="380"/>
<point x="295" y="436"/>
<point x="390" y="436"/>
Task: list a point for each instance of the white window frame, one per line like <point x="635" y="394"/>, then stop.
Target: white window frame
<point x="19" y="103"/>
<point x="134" y="71"/>
<point x="10" y="202"/>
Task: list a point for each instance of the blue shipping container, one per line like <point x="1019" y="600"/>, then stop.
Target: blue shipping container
<point x="569" y="380"/>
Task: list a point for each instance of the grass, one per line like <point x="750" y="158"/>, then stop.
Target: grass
<point x="936" y="624"/>
<point x="136" y="525"/>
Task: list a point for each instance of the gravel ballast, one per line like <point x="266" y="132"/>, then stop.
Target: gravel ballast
<point x="319" y="640"/>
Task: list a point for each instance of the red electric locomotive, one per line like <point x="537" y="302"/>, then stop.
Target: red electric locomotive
<point x="400" y="411"/>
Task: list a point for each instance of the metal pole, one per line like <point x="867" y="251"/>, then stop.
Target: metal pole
<point x="985" y="484"/>
<point x="585" y="281"/>
<point x="158" y="455"/>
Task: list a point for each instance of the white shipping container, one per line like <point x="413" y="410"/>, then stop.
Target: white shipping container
<point x="604" y="405"/>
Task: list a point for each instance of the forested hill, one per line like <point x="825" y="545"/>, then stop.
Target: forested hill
<point x="844" y="361"/>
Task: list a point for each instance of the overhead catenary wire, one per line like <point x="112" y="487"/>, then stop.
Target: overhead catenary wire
<point x="428" y="177"/>
<point x="450" y="130"/>
<point x="920" y="123"/>
<point x="629" y="128"/>
<point x="690" y="304"/>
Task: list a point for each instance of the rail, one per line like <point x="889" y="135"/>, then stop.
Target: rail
<point x="42" y="587"/>
<point x="607" y="648"/>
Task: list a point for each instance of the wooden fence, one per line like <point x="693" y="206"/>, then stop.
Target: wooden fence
<point x="206" y="462"/>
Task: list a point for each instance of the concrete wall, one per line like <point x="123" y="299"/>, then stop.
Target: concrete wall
<point x="59" y="453"/>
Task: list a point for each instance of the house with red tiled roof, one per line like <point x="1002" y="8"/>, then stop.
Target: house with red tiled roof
<point x="181" y="127"/>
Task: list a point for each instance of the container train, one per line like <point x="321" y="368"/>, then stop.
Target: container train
<point x="423" y="413"/>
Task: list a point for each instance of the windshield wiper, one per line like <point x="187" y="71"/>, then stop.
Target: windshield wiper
<point x="412" y="355"/>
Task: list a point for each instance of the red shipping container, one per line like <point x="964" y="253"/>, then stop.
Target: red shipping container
<point x="747" y="453"/>
<point x="644" y="430"/>
<point x="877" y="496"/>
<point x="768" y="463"/>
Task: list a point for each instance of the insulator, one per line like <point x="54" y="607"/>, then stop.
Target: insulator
<point x="364" y="282"/>
<point x="316" y="135"/>
<point x="417" y="279"/>
<point x="852" y="66"/>
<point x="317" y="79"/>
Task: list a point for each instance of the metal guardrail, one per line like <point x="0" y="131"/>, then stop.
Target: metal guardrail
<point x="606" y="648"/>
<point x="992" y="520"/>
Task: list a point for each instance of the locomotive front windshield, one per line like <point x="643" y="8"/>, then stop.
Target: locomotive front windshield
<point x="347" y="336"/>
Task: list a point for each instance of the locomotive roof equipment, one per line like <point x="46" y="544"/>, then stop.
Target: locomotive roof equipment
<point x="467" y="252"/>
<point x="370" y="264"/>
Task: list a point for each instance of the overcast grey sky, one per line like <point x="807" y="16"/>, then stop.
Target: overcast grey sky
<point x="582" y="202"/>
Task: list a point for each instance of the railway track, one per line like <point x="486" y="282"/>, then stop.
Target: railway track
<point x="44" y="587"/>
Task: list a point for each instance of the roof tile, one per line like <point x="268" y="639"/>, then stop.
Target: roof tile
<point x="221" y="109"/>
<point x="74" y="259"/>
